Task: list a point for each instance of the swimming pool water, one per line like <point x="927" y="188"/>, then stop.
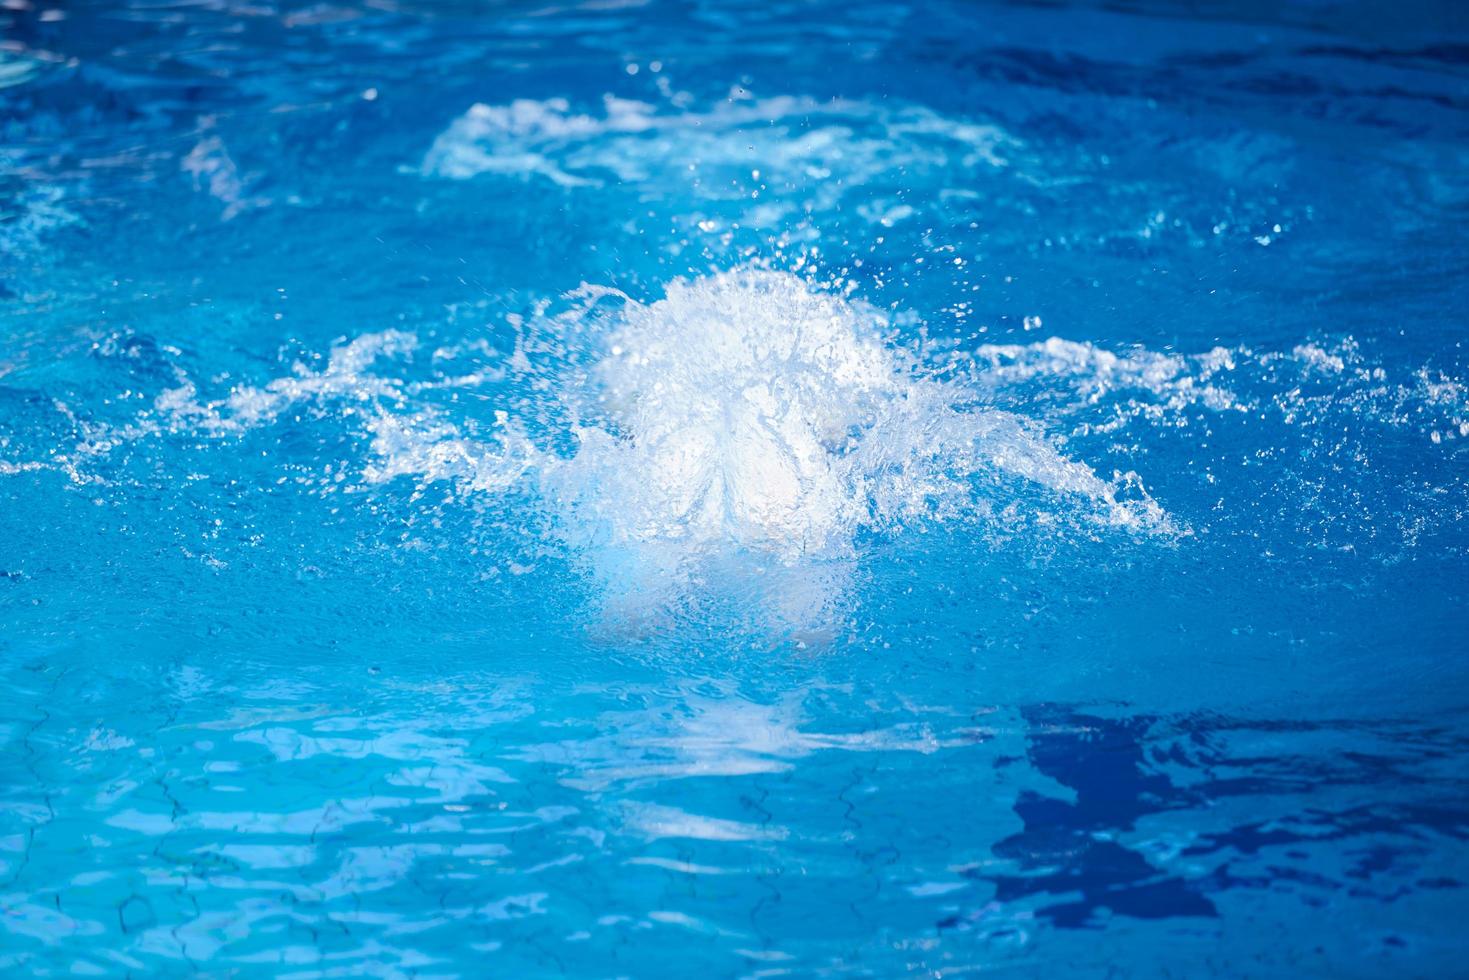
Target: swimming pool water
<point x="733" y="489"/>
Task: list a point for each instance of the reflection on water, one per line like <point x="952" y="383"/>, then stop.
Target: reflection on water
<point x="385" y="825"/>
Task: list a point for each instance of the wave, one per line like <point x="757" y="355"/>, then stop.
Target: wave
<point x="755" y="434"/>
<point x="727" y="155"/>
<point x="747" y="422"/>
<point x="750" y="409"/>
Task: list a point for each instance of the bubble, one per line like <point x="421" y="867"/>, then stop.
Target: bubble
<point x="746" y="436"/>
<point x="750" y="419"/>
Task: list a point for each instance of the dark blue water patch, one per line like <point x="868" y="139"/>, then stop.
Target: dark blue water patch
<point x="1411" y="92"/>
<point x="1063" y="847"/>
<point x="1433" y="54"/>
<point x="1451" y="819"/>
<point x="1112" y="765"/>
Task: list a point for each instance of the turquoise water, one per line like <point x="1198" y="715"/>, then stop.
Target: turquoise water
<point x="733" y="489"/>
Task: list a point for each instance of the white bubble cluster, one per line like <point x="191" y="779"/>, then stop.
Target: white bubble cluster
<point x="748" y="410"/>
<point x="746" y="422"/>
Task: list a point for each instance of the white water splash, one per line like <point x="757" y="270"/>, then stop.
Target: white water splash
<point x="347" y="377"/>
<point x="746" y="424"/>
<point x="748" y="410"/>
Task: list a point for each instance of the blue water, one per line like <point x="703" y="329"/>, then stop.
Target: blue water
<point x="733" y="489"/>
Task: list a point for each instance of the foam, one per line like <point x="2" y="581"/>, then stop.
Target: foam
<point x="728" y="152"/>
<point x="754" y="434"/>
<point x="1172" y="379"/>
<point x="346" y="377"/>
<point x="749" y="410"/>
<point x="746" y="427"/>
<point x="33" y="213"/>
<point x="1311" y="384"/>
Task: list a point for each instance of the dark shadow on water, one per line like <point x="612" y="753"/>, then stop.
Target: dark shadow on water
<point x="1070" y="858"/>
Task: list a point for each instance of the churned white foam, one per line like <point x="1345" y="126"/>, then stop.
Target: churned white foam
<point x="32" y="212"/>
<point x="347" y="377"/>
<point x="751" y="435"/>
<point x="1066" y="376"/>
<point x="740" y="433"/>
<point x="408" y="439"/>
<point x="731" y="411"/>
<point x="749" y="410"/>
<point x="1173" y="379"/>
<point x="829" y="150"/>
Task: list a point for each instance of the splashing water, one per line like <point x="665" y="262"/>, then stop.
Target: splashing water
<point x="750" y="418"/>
<point x="749" y="422"/>
<point x="748" y="410"/>
<point x="375" y="600"/>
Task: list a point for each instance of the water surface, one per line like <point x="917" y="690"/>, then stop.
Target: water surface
<point x="740" y="489"/>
